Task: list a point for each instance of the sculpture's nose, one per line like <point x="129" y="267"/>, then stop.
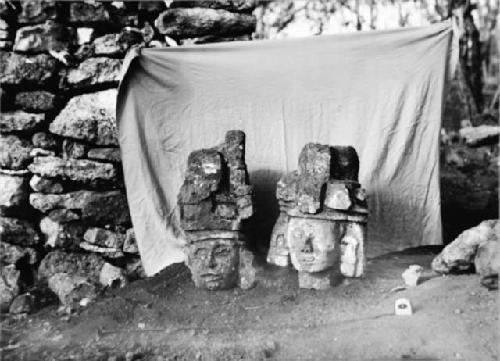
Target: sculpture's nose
<point x="211" y="260"/>
<point x="308" y="247"/>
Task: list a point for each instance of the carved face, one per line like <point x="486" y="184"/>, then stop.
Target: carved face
<point x="313" y="243"/>
<point x="214" y="263"/>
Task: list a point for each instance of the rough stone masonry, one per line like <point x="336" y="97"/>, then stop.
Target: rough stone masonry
<point x="64" y="220"/>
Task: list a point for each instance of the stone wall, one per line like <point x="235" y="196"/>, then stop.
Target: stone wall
<point x="62" y="203"/>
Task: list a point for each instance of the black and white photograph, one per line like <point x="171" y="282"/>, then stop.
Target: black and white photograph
<point x="251" y="180"/>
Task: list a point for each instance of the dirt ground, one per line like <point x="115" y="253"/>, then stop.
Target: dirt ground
<point x="166" y="318"/>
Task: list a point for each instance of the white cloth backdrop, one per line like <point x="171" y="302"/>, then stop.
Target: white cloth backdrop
<point x="381" y="92"/>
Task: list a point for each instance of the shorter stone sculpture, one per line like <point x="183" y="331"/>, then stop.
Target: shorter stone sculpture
<point x="214" y="199"/>
<point x="322" y="223"/>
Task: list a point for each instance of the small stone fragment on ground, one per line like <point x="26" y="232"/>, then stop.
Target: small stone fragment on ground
<point x="112" y="276"/>
<point x="71" y="289"/>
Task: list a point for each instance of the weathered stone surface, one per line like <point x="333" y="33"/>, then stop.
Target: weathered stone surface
<point x="337" y="196"/>
<point x="459" y="255"/>
<point x="13" y="195"/>
<point x="64" y="215"/>
<point x="352" y="250"/>
<point x="117" y="44"/>
<point x="39" y="100"/>
<point x="230" y="5"/>
<point x="107" y="252"/>
<point x="84" y="35"/>
<point x="12" y="254"/>
<point x="309" y="190"/>
<point x="316" y="280"/>
<point x="346" y="163"/>
<point x="95" y="71"/>
<point x="18" y="232"/>
<point x="279" y="251"/>
<point x="14" y="152"/>
<point x="134" y="270"/>
<point x="287" y="186"/>
<point x="67" y="235"/>
<point x="39" y="152"/>
<point x="105" y="154"/>
<point x="19" y="69"/>
<point x="37" y="11"/>
<point x="80" y="264"/>
<point x="71" y="289"/>
<point x="481" y="135"/>
<point x="9" y="286"/>
<point x="100" y="207"/>
<point x="19" y="121"/>
<point x="104" y="238"/>
<point x="81" y="170"/>
<point x="24" y="303"/>
<point x="45" y="185"/>
<point x="246" y="270"/>
<point x="89" y="117"/>
<point x="44" y="140"/>
<point x="315" y="160"/>
<point x="85" y="12"/>
<point x="72" y="149"/>
<point x="195" y="22"/>
<point x="44" y="37"/>
<point x="487" y="260"/>
<point x="130" y="243"/>
<point x="112" y="276"/>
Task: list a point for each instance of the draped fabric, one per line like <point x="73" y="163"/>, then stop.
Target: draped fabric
<point x="379" y="91"/>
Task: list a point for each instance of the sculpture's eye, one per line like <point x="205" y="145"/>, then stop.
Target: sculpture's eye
<point x="201" y="253"/>
<point x="222" y="251"/>
<point x="298" y="233"/>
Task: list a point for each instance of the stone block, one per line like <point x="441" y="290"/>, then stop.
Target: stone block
<point x="352" y="250"/>
<point x="337" y="196"/>
<point x="45" y="185"/>
<point x="38" y="11"/>
<point x="39" y="100"/>
<point x="458" y="256"/>
<point x="94" y="72"/>
<point x="287" y="187"/>
<point x="12" y="254"/>
<point x="80" y="170"/>
<point x="309" y="194"/>
<point x="14" y="195"/>
<point x="45" y="141"/>
<point x="45" y="37"/>
<point x="246" y="270"/>
<point x="245" y="6"/>
<point x="487" y="259"/>
<point x="234" y="149"/>
<point x="107" y="252"/>
<point x="89" y="117"/>
<point x="314" y="161"/>
<point x="66" y="235"/>
<point x="79" y="264"/>
<point x="130" y="243"/>
<point x="18" y="69"/>
<point x="346" y="163"/>
<point x="279" y="251"/>
<point x="104" y="238"/>
<point x="64" y="215"/>
<point x="85" y="12"/>
<point x="18" y="232"/>
<point x="24" y="303"/>
<point x="9" y="286"/>
<point x="317" y="280"/>
<point x="112" y="276"/>
<point x="226" y="210"/>
<point x="105" y="154"/>
<point x="237" y="176"/>
<point x="99" y="207"/>
<point x="481" y="135"/>
<point x="20" y="121"/>
<point x="71" y="289"/>
<point x="85" y="35"/>
<point x="14" y="152"/>
<point x="190" y="23"/>
<point x="73" y="150"/>
<point x="117" y="44"/>
<point x="245" y="206"/>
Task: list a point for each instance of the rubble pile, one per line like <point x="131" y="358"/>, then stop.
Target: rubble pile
<point x="63" y="209"/>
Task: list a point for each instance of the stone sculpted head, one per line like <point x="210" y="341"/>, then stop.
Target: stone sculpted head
<point x="313" y="245"/>
<point x="214" y="262"/>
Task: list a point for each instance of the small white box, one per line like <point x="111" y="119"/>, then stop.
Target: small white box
<point x="402" y="307"/>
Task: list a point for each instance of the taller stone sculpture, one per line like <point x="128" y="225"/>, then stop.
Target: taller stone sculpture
<point x="214" y="199"/>
<point x="322" y="223"/>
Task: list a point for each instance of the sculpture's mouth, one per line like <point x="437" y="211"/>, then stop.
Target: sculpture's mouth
<point x="211" y="277"/>
<point x="306" y="258"/>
